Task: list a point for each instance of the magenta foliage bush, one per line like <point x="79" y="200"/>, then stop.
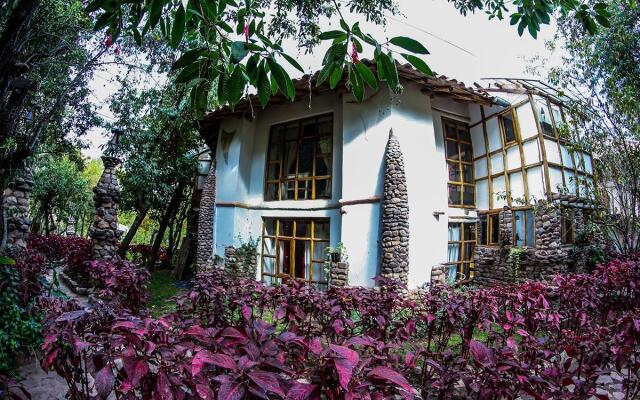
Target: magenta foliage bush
<point x="30" y="268"/>
<point x="120" y="282"/>
<point x="236" y="339"/>
<point x="72" y="251"/>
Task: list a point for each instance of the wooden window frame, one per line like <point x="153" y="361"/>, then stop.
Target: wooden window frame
<point x="278" y="275"/>
<point x="567" y="228"/>
<point x="524" y="222"/>
<point x="490" y="228"/>
<point x="461" y="183"/>
<point x="463" y="256"/>
<point x="507" y="144"/>
<point x="297" y="180"/>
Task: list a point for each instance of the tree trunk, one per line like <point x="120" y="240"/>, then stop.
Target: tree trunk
<point x="126" y="241"/>
<point x="172" y="208"/>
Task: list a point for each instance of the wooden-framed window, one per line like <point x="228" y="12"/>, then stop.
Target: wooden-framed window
<point x="489" y="234"/>
<point x="294" y="247"/>
<point x="524" y="228"/>
<point x="541" y="107"/>
<point x="508" y="127"/>
<point x="461" y="243"/>
<point x="459" y="154"/>
<point x="566" y="229"/>
<point x="299" y="160"/>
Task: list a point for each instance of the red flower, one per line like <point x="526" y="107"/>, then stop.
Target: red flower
<point x="245" y="31"/>
<point x="108" y="41"/>
<point x="117" y="50"/>
<point x="354" y="54"/>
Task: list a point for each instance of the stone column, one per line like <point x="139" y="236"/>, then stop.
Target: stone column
<point x="395" y="215"/>
<point x="104" y="230"/>
<point x="339" y="274"/>
<point x="15" y="205"/>
<point x="505" y="220"/>
<point x="206" y="219"/>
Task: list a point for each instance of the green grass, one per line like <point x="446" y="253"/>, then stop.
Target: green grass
<point x="162" y="286"/>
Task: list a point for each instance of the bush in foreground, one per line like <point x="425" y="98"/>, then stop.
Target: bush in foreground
<point x="234" y="339"/>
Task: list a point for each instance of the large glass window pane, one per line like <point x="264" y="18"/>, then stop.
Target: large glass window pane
<point x="482" y="194"/>
<point x="455" y="232"/>
<point x="469" y="196"/>
<point x="493" y="134"/>
<point x="513" y="158"/>
<point x="321" y="230"/>
<point x="466" y="152"/>
<point x="269" y="265"/>
<point x="455" y="194"/>
<point x="323" y="188"/>
<point x="570" y="181"/>
<point x="454" y="253"/>
<point x="480" y="167"/>
<point x="467" y="173"/>
<point x="269" y="246"/>
<point x="320" y="250"/>
<point x="497" y="164"/>
<point x="286" y="227"/>
<point x="530" y="229"/>
<point x="305" y="164"/>
<point x="494" y="228"/>
<point x="303" y="228"/>
<point x="482" y="234"/>
<point x="452" y="150"/>
<point x="518" y="229"/>
<point x="499" y="192"/>
<point x="324" y="145"/>
<point x="567" y="160"/>
<point x="290" y="159"/>
<point x="557" y="115"/>
<point x="551" y="147"/>
<point x="531" y="152"/>
<point x="588" y="167"/>
<point x="508" y="127"/>
<point x="536" y="183"/>
<point x="284" y="257"/>
<point x="544" y="116"/>
<point x="319" y="274"/>
<point x="323" y="166"/>
<point x="527" y="121"/>
<point x="273" y="171"/>
<point x="271" y="193"/>
<point x="454" y="171"/>
<point x="516" y="186"/>
<point x="477" y="138"/>
<point x="270" y="226"/>
<point x="555" y="176"/>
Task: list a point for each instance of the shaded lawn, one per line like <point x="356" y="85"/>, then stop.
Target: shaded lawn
<point x="162" y="286"/>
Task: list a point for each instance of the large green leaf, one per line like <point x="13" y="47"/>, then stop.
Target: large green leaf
<point x="355" y="81"/>
<point x="325" y="73"/>
<point x="332" y="35"/>
<point x="155" y="12"/>
<point x="282" y="79"/>
<point x="238" y="51"/>
<point x="189" y="72"/>
<point x="293" y="62"/>
<point x="4" y="260"/>
<point x="418" y="64"/>
<point x="187" y="58"/>
<point x="336" y="75"/>
<point x="235" y="86"/>
<point x="367" y="75"/>
<point x="264" y="87"/>
<point x="409" y="44"/>
<point x="178" y="27"/>
<point x="390" y="71"/>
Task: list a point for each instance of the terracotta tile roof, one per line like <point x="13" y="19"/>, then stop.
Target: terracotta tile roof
<point x="438" y="85"/>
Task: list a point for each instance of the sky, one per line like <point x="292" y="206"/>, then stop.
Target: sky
<point x="465" y="48"/>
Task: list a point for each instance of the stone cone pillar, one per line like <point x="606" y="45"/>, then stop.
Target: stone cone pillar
<point x="206" y="220"/>
<point x="15" y="205"/>
<point x="104" y="230"/>
<point x="395" y="215"/>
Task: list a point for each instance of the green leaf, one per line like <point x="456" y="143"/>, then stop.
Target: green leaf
<point x="155" y="12"/>
<point x="264" y="87"/>
<point x="209" y="9"/>
<point x="189" y="72"/>
<point x="355" y="81"/>
<point x="178" y="27"/>
<point x="603" y="21"/>
<point x="344" y="25"/>
<point x="235" y="86"/>
<point x="331" y="35"/>
<point x="515" y="18"/>
<point x="238" y="51"/>
<point x="358" y="44"/>
<point x="390" y="71"/>
<point x="282" y="79"/>
<point x="137" y="37"/>
<point x="418" y="64"/>
<point x="367" y="75"/>
<point x="187" y="58"/>
<point x="409" y="44"/>
<point x="336" y="75"/>
<point x="293" y="62"/>
<point x="4" y="260"/>
<point x="252" y="67"/>
<point x="325" y="72"/>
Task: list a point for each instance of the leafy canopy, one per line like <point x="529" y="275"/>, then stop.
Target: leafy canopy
<point x="228" y="46"/>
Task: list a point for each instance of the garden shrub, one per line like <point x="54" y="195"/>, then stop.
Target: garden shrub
<point x="121" y="282"/>
<point x="71" y="251"/>
<point x="21" y="283"/>
<point x="141" y="253"/>
<point x="234" y="339"/>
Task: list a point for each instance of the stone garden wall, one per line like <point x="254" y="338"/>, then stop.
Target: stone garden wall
<point x="15" y="202"/>
<point x="508" y="263"/>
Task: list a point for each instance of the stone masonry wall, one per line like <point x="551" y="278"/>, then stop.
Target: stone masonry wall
<point x="549" y="256"/>
<point x="106" y="195"/>
<point x="240" y="265"/>
<point x="395" y="215"/>
<point x="339" y="274"/>
<point x="15" y="202"/>
<point x="205" y="220"/>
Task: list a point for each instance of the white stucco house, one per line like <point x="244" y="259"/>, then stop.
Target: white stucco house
<point x="301" y="176"/>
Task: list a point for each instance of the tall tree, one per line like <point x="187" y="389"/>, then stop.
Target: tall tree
<point x="601" y="72"/>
